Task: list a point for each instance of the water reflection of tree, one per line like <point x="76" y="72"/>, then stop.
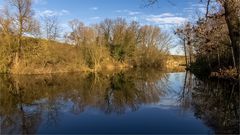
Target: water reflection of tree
<point x="185" y="97"/>
<point x="38" y="98"/>
<point x="15" y="118"/>
<point x="127" y="92"/>
<point x="215" y="102"/>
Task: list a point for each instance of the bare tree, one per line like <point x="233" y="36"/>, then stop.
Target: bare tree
<point x="81" y="34"/>
<point x="51" y="26"/>
<point x="77" y="28"/>
<point x="106" y="28"/>
<point x="22" y="16"/>
<point x="23" y="19"/>
<point x="6" y="25"/>
<point x="35" y="28"/>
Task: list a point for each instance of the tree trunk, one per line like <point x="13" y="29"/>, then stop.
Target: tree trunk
<point x="190" y="55"/>
<point x="15" y="61"/>
<point x="209" y="62"/>
<point x="233" y="23"/>
<point x="233" y="57"/>
<point x="185" y="51"/>
<point x="218" y="56"/>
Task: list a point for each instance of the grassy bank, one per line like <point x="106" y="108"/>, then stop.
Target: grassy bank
<point x="43" y="57"/>
<point x="40" y="56"/>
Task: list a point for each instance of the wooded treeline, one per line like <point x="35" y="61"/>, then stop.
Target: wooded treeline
<point x="28" y="45"/>
<point x="211" y="44"/>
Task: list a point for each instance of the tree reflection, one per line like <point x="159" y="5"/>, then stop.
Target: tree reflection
<point x="185" y="97"/>
<point x="17" y="115"/>
<point x="26" y="101"/>
<point x="216" y="102"/>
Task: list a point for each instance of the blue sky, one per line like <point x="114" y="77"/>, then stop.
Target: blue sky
<point x="165" y="15"/>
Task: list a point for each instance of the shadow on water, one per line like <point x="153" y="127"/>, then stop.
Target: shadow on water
<point x="26" y="101"/>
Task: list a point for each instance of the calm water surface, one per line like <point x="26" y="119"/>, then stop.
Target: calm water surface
<point x="133" y="102"/>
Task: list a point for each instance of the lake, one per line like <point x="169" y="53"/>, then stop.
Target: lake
<point x="132" y="102"/>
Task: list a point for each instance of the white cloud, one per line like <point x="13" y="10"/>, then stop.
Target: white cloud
<point x="166" y="18"/>
<point x="129" y="12"/>
<point x="133" y="13"/>
<point x="95" y="18"/>
<point x="94" y="8"/>
<point x="52" y="13"/>
<point x="64" y="12"/>
<point x="166" y="15"/>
